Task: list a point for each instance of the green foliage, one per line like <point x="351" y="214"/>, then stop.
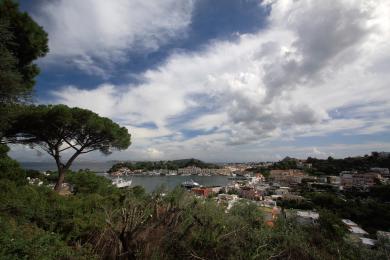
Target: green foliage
<point x="381" y="192"/>
<point x="333" y="166"/>
<point x="169" y="165"/>
<point x="263" y="170"/>
<point x="248" y="212"/>
<point x="331" y="225"/>
<point x="295" y="204"/>
<point x="9" y="168"/>
<point x="21" y="42"/>
<point x="56" y="128"/>
<point x="72" y="220"/>
<point x="86" y="182"/>
<point x="37" y="223"/>
<point x="285" y="164"/>
<point x="370" y="213"/>
<point x="27" y="241"/>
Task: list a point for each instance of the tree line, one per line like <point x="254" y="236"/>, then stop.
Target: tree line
<point x="167" y="165"/>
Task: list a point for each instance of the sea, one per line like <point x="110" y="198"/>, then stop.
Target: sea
<point x="99" y="167"/>
<point x="149" y="183"/>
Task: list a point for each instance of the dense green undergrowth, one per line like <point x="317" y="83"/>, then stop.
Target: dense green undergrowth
<point x="100" y="221"/>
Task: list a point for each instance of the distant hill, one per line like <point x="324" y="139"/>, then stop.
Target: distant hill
<point x="332" y="166"/>
<point x="169" y="165"/>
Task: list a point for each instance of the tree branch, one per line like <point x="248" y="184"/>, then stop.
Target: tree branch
<point x="72" y="146"/>
<point x="71" y="159"/>
<point x="64" y="149"/>
<point x="90" y="150"/>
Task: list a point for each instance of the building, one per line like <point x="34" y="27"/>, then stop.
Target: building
<point x="307" y="217"/>
<point x="227" y="199"/>
<point x="293" y="197"/>
<point x="359" y="180"/>
<point x="354" y="228"/>
<point x="384" y="154"/>
<point x="192" y="170"/>
<point x="303" y="165"/>
<point x="335" y="180"/>
<point x="346" y="180"/>
<point x="267" y="202"/>
<point x="250" y="193"/>
<point x="282" y="191"/>
<point x="121" y="172"/>
<point x="358" y="235"/>
<point x="263" y="188"/>
<point x="287" y="177"/>
<point x="258" y="178"/>
<point x="365" y="180"/>
<point x="384" y="172"/>
<point x="368" y="242"/>
<point x="203" y="191"/>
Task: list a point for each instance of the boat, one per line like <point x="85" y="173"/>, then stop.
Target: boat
<point x="190" y="184"/>
<point x="121" y="183"/>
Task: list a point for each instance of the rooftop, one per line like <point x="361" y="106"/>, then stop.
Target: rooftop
<point x="308" y="214"/>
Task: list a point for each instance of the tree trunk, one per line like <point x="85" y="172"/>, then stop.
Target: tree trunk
<point x="61" y="177"/>
<point x="63" y="168"/>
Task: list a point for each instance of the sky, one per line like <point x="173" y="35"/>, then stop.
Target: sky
<point x="222" y="80"/>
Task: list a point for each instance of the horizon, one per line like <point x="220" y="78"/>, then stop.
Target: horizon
<point x="298" y="87"/>
<point x="216" y="162"/>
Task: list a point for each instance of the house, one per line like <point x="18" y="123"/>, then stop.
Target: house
<point x="250" y="193"/>
<point x="121" y="172"/>
<point x="267" y="202"/>
<point x="384" y="172"/>
<point x="227" y="199"/>
<point x="335" y="180"/>
<point x="258" y="178"/>
<point x="202" y="191"/>
<point x="303" y="164"/>
<point x="307" y="217"/>
<point x="368" y="242"/>
<point x="365" y="180"/>
<point x="288" y="177"/>
<point x="359" y="180"/>
<point x="282" y="191"/>
<point x="354" y="228"/>
<point x="293" y="197"/>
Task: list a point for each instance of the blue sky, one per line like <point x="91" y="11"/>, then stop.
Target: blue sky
<point x="222" y="80"/>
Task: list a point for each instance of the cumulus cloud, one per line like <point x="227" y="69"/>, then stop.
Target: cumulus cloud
<point x="153" y="153"/>
<point x="310" y="72"/>
<point x="95" y="34"/>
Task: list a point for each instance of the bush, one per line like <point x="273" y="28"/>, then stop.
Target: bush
<point x="101" y="220"/>
<point x="10" y="169"/>
<point x="27" y="241"/>
<point x="86" y="182"/>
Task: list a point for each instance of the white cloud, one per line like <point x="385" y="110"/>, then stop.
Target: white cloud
<point x="94" y="34"/>
<point x="315" y="59"/>
<point x="101" y="100"/>
<point x="153" y="153"/>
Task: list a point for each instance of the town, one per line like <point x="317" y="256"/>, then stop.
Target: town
<point x="283" y="189"/>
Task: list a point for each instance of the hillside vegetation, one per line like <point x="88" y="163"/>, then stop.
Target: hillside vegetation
<point x="99" y="221"/>
<point x="168" y="165"/>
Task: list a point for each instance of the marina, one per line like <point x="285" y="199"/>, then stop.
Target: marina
<point x="151" y="183"/>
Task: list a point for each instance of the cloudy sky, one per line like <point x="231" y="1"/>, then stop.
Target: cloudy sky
<point x="222" y="80"/>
